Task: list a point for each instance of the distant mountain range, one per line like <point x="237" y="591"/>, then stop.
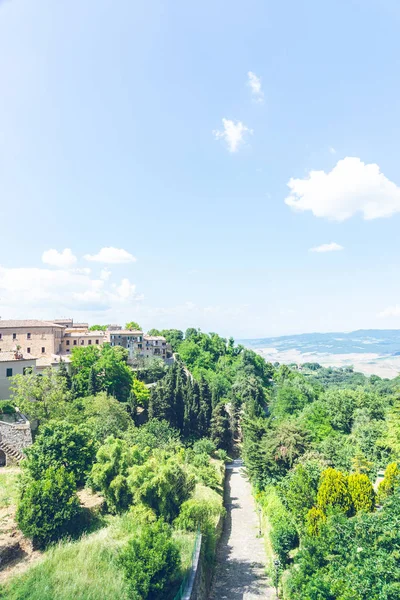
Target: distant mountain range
<point x="378" y="341"/>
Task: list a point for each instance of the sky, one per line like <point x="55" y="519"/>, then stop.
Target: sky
<point x="231" y="166"/>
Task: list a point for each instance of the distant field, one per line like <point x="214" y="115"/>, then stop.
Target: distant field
<point x="368" y="351"/>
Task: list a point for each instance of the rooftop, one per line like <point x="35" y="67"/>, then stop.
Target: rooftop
<point x="95" y="333"/>
<point x="14" y="324"/>
<point x="15" y="356"/>
<point x="124" y="332"/>
<point x="154" y="338"/>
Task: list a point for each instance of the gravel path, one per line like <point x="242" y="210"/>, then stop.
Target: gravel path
<point x="240" y="570"/>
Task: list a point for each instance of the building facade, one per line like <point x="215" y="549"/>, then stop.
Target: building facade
<point x="37" y="338"/>
<point x="13" y="363"/>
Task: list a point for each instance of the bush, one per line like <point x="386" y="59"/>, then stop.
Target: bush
<point x="222" y="455"/>
<point x="60" y="443"/>
<point x="197" y="513"/>
<point x="333" y="492"/>
<point x="361" y="492"/>
<point x="204" y="446"/>
<point x="314" y="520"/>
<point x="390" y="482"/>
<point x="283" y="534"/>
<point x="151" y="563"/>
<point x="48" y="506"/>
<point x="6" y="407"/>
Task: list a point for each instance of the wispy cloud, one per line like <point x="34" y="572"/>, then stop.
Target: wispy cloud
<point x="332" y="247"/>
<point x="254" y="83"/>
<point x="390" y="311"/>
<point x="232" y="133"/>
<point x="111" y="255"/>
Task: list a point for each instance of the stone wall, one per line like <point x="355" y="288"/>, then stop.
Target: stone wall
<point x="17" y="435"/>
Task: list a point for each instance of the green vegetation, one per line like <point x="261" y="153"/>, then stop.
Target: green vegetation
<point x="313" y="455"/>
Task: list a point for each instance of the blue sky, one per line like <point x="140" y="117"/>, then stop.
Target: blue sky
<point x="109" y="121"/>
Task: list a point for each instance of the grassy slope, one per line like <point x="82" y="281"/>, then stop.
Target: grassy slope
<point x="86" y="569"/>
<point x="8" y="487"/>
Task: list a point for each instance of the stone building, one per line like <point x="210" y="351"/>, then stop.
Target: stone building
<point x="73" y="339"/>
<point x="38" y="338"/>
<point x="14" y="363"/>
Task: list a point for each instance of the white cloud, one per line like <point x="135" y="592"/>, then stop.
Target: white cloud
<point x="332" y="150"/>
<point x="233" y="134"/>
<point x="351" y="187"/>
<point x="46" y="292"/>
<point x="59" y="259"/>
<point x="105" y="274"/>
<point x="254" y="83"/>
<point x="332" y="247"/>
<point x="391" y="311"/>
<point x="111" y="255"/>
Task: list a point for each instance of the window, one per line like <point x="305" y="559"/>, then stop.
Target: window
<point x="67" y="343"/>
<point x="97" y="341"/>
<point x="14" y="336"/>
<point x="74" y="342"/>
<point x="27" y="370"/>
<point x="28" y="336"/>
<point x="82" y="342"/>
<point x="28" y="350"/>
<point x="9" y="372"/>
<point x="67" y="349"/>
<point x="1" y="335"/>
<point x="89" y="342"/>
<point x="43" y="349"/>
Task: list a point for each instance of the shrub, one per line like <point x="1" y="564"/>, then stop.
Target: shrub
<point x="48" y="506"/>
<point x="222" y="455"/>
<point x="314" y="520"/>
<point x="390" y="482"/>
<point x="361" y="492"/>
<point x="6" y="407"/>
<point x="283" y="534"/>
<point x="151" y="562"/>
<point x="197" y="513"/>
<point x="333" y="492"/>
<point x="60" y="443"/>
<point x="204" y="446"/>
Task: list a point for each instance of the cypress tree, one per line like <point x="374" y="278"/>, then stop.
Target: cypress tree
<point x="220" y="427"/>
<point x="92" y="385"/>
<point x="63" y="373"/>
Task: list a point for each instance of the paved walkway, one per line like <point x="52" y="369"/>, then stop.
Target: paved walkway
<point x="240" y="570"/>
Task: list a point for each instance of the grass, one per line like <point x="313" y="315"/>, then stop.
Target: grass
<point x="86" y="569"/>
<point x="8" y="487"/>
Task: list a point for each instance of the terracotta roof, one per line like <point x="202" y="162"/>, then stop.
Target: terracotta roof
<point x="4" y="323"/>
<point x="10" y="357"/>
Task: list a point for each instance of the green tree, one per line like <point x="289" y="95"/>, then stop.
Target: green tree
<point x="103" y="415"/>
<point x="113" y="374"/>
<point x="361" y="492"/>
<point x="41" y="397"/>
<point x="333" y="492"/>
<point x="220" y="431"/>
<point x="151" y="562"/>
<point x="314" y="520"/>
<point x="390" y="482"/>
<point x="110" y="471"/>
<point x="299" y="488"/>
<point x="98" y="328"/>
<point x="61" y="444"/>
<point x="133" y="326"/>
<point x="92" y="386"/>
<point x="48" y="506"/>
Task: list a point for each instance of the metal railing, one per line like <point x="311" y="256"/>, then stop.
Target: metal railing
<point x="188" y="579"/>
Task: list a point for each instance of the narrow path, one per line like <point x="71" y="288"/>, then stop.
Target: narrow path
<point x="240" y="570"/>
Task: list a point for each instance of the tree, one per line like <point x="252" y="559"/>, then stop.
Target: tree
<point x="103" y="415"/>
<point x="92" y="386"/>
<point x="48" y="506"/>
<point x="221" y="433"/>
<point x="133" y="326"/>
<point x="61" y="444"/>
<point x="63" y="373"/>
<point x="299" y="488"/>
<point x="98" y="328"/>
<point x="110" y="471"/>
<point x="333" y="492"/>
<point x="162" y="484"/>
<point x="113" y="374"/>
<point x="390" y="482"/>
<point x="41" y="397"/>
<point x="314" y="520"/>
<point x="151" y="562"/>
<point x="82" y="360"/>
<point x="361" y="492"/>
